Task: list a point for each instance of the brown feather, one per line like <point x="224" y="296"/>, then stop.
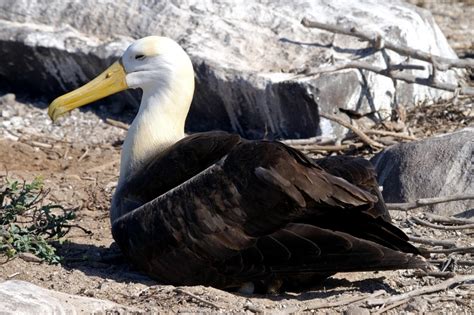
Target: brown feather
<point x="218" y="210"/>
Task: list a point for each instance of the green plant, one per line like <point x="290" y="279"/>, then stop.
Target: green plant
<point x="29" y="225"/>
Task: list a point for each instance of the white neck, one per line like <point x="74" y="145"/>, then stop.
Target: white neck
<point x="158" y="124"/>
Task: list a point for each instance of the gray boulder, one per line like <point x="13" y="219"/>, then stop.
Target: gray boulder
<point x="438" y="166"/>
<point x="245" y="55"/>
<point x="21" y="297"/>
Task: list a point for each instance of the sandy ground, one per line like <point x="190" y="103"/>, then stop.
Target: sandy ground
<point x="79" y="163"/>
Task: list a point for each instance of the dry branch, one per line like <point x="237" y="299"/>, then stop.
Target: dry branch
<point x="421" y="291"/>
<point x="330" y="148"/>
<point x="448" y="220"/>
<point x="391" y="134"/>
<point x="378" y="42"/>
<point x="426" y="202"/>
<point x="433" y="242"/>
<point x="391" y="306"/>
<point x="345" y="301"/>
<point x="83" y="156"/>
<point x="357" y="131"/>
<point x="308" y="141"/>
<point x="388" y="72"/>
<point x="442" y="227"/>
<point x="197" y="298"/>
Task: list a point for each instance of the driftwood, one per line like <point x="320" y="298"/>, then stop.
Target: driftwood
<point x="438" y="63"/>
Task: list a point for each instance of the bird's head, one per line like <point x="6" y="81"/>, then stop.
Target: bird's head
<point x="150" y="63"/>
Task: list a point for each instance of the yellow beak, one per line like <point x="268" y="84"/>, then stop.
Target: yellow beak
<point x="107" y="83"/>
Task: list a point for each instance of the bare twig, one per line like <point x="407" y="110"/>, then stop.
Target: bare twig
<point x="461" y="250"/>
<point x="448" y="220"/>
<point x="442" y="227"/>
<point x="433" y="242"/>
<point x="345" y="301"/>
<point x="116" y="123"/>
<point x="421" y="291"/>
<point x="308" y="141"/>
<point x="89" y="232"/>
<point x="357" y="131"/>
<point x="41" y="144"/>
<point x="391" y="306"/>
<point x="197" y="298"/>
<point x="378" y="43"/>
<point x="391" y="134"/>
<point x="426" y="202"/>
<point x="388" y="72"/>
<point x="83" y="156"/>
<point x="460" y="262"/>
<point x="330" y="148"/>
<point x="442" y="62"/>
<point x="13" y="275"/>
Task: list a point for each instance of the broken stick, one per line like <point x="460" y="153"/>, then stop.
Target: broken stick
<point x="406" y="206"/>
<point x="442" y="227"/>
<point x="363" y="137"/>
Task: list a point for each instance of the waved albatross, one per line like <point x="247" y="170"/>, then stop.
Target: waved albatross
<point x="215" y="209"/>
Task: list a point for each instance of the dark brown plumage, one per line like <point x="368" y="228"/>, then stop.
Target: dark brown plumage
<point x="214" y="209"/>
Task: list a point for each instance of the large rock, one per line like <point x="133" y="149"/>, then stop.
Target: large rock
<point x="245" y="55"/>
<point x="438" y="166"/>
<point x="21" y="297"/>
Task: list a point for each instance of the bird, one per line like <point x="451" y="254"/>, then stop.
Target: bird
<point x="215" y="209"/>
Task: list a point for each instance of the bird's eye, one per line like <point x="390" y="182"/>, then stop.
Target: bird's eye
<point x="139" y="57"/>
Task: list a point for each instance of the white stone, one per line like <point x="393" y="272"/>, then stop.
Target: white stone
<point x="20" y="297"/>
<point x="244" y="55"/>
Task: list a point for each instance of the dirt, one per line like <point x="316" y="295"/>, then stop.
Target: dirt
<point x="78" y="161"/>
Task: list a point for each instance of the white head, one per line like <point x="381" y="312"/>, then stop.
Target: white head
<point x="161" y="68"/>
<point x="154" y="62"/>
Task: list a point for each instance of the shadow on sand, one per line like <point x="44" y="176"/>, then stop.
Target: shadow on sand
<point x="108" y="263"/>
